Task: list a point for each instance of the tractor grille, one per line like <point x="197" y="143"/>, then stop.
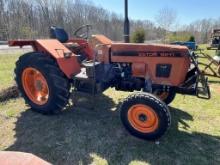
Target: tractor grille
<point x="163" y="70"/>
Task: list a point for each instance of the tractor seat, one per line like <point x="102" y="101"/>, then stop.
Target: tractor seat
<point x="59" y="33"/>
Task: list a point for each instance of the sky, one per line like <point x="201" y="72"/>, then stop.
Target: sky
<point x="187" y="10"/>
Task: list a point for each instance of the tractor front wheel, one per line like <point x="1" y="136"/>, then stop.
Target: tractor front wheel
<point x="42" y="84"/>
<point x="145" y="116"/>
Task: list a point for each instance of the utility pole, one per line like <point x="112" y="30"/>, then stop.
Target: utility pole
<point x="126" y="24"/>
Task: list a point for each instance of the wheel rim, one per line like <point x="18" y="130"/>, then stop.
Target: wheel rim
<point x="143" y="118"/>
<point x="35" y="86"/>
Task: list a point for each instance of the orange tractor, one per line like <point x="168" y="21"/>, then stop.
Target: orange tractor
<point x="92" y="64"/>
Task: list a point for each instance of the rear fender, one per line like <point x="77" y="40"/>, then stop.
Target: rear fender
<point x="68" y="65"/>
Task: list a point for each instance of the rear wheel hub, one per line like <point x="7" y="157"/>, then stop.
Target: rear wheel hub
<point x="35" y="86"/>
<point x="143" y="117"/>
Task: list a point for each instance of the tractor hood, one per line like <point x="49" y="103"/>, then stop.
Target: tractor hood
<point x="148" y="50"/>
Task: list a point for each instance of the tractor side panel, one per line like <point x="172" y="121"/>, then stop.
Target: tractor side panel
<point x="163" y="65"/>
<point x="69" y="66"/>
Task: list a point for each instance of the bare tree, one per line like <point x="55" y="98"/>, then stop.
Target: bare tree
<point x="166" y="19"/>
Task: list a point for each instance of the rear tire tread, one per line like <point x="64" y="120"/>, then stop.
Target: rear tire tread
<point x="57" y="82"/>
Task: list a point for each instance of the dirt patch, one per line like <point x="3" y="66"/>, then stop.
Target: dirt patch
<point x="9" y="93"/>
<point x="216" y="88"/>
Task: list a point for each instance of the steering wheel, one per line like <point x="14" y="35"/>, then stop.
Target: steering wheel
<point x="83" y="31"/>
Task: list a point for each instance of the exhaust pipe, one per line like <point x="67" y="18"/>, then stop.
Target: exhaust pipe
<point x="126" y="24"/>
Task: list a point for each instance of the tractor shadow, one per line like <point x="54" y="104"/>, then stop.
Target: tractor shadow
<point x="83" y="135"/>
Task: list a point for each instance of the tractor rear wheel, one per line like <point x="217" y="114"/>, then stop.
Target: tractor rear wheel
<point x="42" y="84"/>
<point x="145" y="116"/>
<point x="166" y="97"/>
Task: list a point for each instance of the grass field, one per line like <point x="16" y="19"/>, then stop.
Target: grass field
<point x="7" y="64"/>
<point x="86" y="135"/>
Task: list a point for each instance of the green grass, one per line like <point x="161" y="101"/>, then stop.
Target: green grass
<point x="204" y="48"/>
<point x="7" y="64"/>
<point x="86" y="135"/>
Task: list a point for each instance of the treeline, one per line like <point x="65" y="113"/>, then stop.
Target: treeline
<point x="32" y="19"/>
<point x="200" y="29"/>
